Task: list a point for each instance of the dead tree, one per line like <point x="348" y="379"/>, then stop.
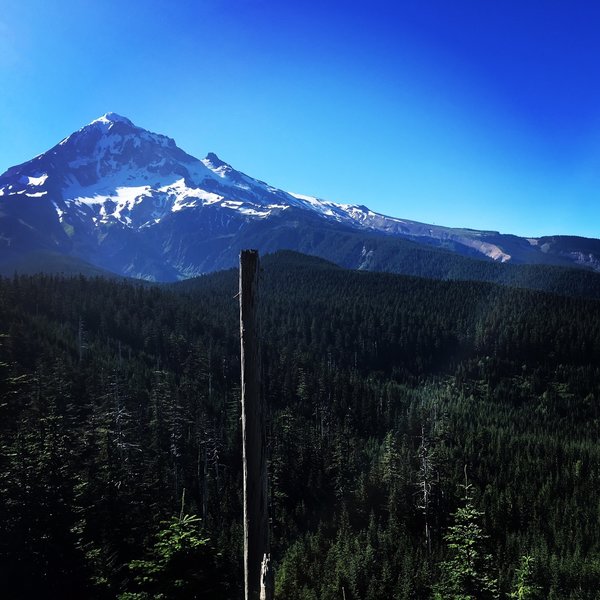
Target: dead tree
<point x="256" y="523"/>
<point x="426" y="483"/>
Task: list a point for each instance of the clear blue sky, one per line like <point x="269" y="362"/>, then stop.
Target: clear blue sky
<point x="477" y="114"/>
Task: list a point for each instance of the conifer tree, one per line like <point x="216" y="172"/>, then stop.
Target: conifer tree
<point x="466" y="574"/>
<point x="524" y="588"/>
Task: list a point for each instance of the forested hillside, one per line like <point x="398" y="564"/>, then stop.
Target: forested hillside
<point x="427" y="439"/>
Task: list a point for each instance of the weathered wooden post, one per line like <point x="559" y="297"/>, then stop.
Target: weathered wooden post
<point x="257" y="575"/>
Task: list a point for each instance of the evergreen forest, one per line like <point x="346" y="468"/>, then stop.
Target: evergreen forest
<point x="428" y="440"/>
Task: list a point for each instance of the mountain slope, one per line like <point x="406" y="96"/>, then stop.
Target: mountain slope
<point x="52" y="263"/>
<point x="131" y="202"/>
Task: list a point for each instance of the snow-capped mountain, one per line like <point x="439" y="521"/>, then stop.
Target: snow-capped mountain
<point x="130" y="201"/>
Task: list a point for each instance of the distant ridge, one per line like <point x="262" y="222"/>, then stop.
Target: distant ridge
<point x="550" y="279"/>
<point x="51" y="263"/>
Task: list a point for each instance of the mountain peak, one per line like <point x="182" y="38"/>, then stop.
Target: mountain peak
<point x="110" y="118"/>
<point x="215" y="161"/>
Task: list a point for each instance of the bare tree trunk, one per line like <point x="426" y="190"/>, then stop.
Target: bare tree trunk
<point x="266" y="579"/>
<point x="256" y="523"/>
<point x="425" y="476"/>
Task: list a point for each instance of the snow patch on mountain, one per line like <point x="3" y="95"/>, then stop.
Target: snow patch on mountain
<point x="110" y="119"/>
<point x="349" y="213"/>
<point x="139" y="205"/>
<point x="36" y="180"/>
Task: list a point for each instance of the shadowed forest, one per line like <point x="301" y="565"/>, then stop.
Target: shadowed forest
<point x="427" y="439"/>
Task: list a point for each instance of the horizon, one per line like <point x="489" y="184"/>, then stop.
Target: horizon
<point x="463" y="116"/>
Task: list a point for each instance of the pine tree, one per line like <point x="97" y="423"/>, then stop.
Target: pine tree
<point x="467" y="572"/>
<point x="524" y="588"/>
<point x="180" y="565"/>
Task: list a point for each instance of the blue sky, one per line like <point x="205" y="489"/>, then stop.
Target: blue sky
<point x="475" y="114"/>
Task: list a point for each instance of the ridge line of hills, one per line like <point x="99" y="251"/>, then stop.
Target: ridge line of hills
<point x="551" y="279"/>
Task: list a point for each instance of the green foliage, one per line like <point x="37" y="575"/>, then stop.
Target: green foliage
<point x="524" y="588"/>
<point x="180" y="564"/>
<point x="467" y="572"/>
